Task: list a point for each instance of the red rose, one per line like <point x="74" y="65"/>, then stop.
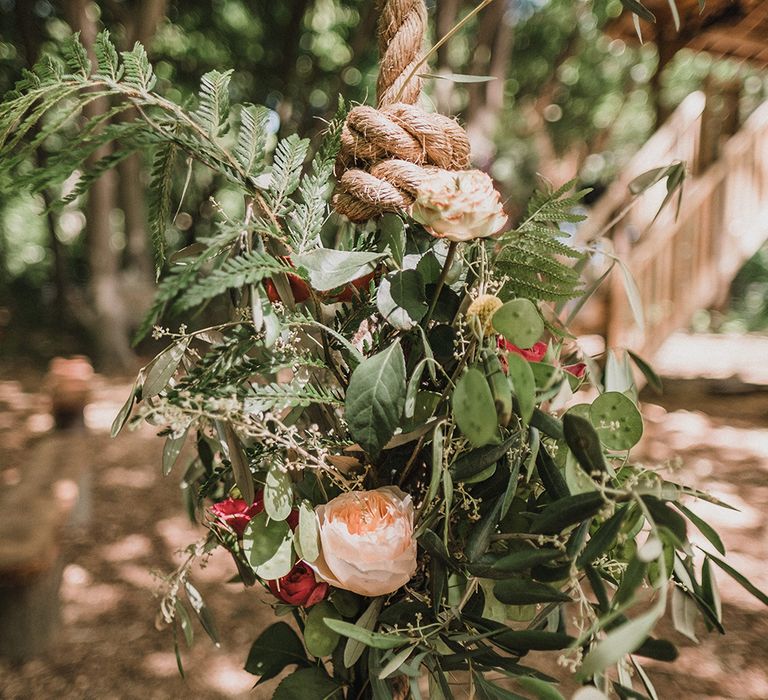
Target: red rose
<point x="299" y="289"/>
<point x="578" y="370"/>
<point x="534" y="354"/>
<point x="236" y="513"/>
<point x="299" y="587"/>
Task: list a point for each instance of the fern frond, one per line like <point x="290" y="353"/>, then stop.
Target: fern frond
<point x="107" y="59"/>
<point x="286" y="171"/>
<point x="168" y="290"/>
<point x="213" y="109"/>
<point x="531" y="257"/>
<point x="250" y="268"/>
<point x="252" y="137"/>
<point x="306" y="220"/>
<point x="76" y="57"/>
<point x="159" y="205"/>
<point x="138" y="69"/>
<point x="277" y="397"/>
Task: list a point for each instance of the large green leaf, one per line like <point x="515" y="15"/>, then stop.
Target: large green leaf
<point x="401" y="299"/>
<point x="328" y="269"/>
<point x="473" y="407"/>
<point x="308" y="684"/>
<point x="275" y="648"/>
<point x="375" y="398"/>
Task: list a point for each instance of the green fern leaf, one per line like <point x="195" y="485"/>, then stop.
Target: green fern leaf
<point x="286" y="171"/>
<point x="160" y="188"/>
<point x="107" y="58"/>
<point x="252" y="138"/>
<point x="76" y="57"/>
<point x="250" y="268"/>
<point x="306" y="220"/>
<point x="213" y="108"/>
<point x="138" y="69"/>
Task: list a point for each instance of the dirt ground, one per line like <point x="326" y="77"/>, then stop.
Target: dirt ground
<point x="714" y="416"/>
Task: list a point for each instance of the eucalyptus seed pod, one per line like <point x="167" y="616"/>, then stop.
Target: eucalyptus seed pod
<point x="499" y="384"/>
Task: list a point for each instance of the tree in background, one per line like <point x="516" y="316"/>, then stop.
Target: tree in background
<point x="558" y="105"/>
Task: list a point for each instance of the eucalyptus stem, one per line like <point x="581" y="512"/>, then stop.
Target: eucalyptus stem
<point x="441" y="280"/>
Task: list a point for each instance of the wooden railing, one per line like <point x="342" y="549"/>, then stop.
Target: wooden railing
<point x="684" y="264"/>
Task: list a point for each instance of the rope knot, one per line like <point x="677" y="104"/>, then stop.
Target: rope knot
<point x="386" y="153"/>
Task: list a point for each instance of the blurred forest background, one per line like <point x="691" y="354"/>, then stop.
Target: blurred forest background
<point x="570" y="98"/>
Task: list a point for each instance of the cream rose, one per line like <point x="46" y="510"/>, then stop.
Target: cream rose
<point x="366" y="541"/>
<point x="459" y="206"/>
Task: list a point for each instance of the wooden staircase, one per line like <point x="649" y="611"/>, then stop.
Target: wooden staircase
<point x="686" y="263"/>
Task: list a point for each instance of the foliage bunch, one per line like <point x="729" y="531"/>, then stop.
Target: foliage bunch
<point x="374" y="384"/>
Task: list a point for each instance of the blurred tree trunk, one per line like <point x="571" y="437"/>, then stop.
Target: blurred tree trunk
<point x="111" y="326"/>
<point x="30" y="34"/>
<point x="140" y="25"/>
<point x="486" y="100"/>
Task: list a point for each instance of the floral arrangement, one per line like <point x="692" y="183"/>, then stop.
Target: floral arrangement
<point x="394" y="433"/>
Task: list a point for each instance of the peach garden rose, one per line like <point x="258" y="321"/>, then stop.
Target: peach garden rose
<point x="366" y="541"/>
<point x="460" y="206"/>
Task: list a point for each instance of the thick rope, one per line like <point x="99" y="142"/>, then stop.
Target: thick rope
<point x="387" y="153"/>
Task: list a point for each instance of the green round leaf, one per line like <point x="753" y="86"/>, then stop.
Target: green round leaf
<point x="263" y="537"/>
<point x="523" y="384"/>
<point x="617" y="421"/>
<point x="474" y="409"/>
<point x="519" y="322"/>
<point x="320" y="639"/>
<point x="278" y="493"/>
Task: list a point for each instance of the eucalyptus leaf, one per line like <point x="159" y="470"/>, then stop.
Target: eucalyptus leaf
<point x="523" y="385"/>
<point x="262" y="538"/>
<point x="519" y="322"/>
<point x="308" y="533"/>
<point x="474" y="409"/>
<point x="278" y="492"/>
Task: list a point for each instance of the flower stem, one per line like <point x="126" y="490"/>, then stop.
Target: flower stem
<point x="441" y="280"/>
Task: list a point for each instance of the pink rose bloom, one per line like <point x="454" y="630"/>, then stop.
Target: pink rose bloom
<point x="366" y="541"/>
<point x="299" y="587"/>
<point x="236" y="513"/>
